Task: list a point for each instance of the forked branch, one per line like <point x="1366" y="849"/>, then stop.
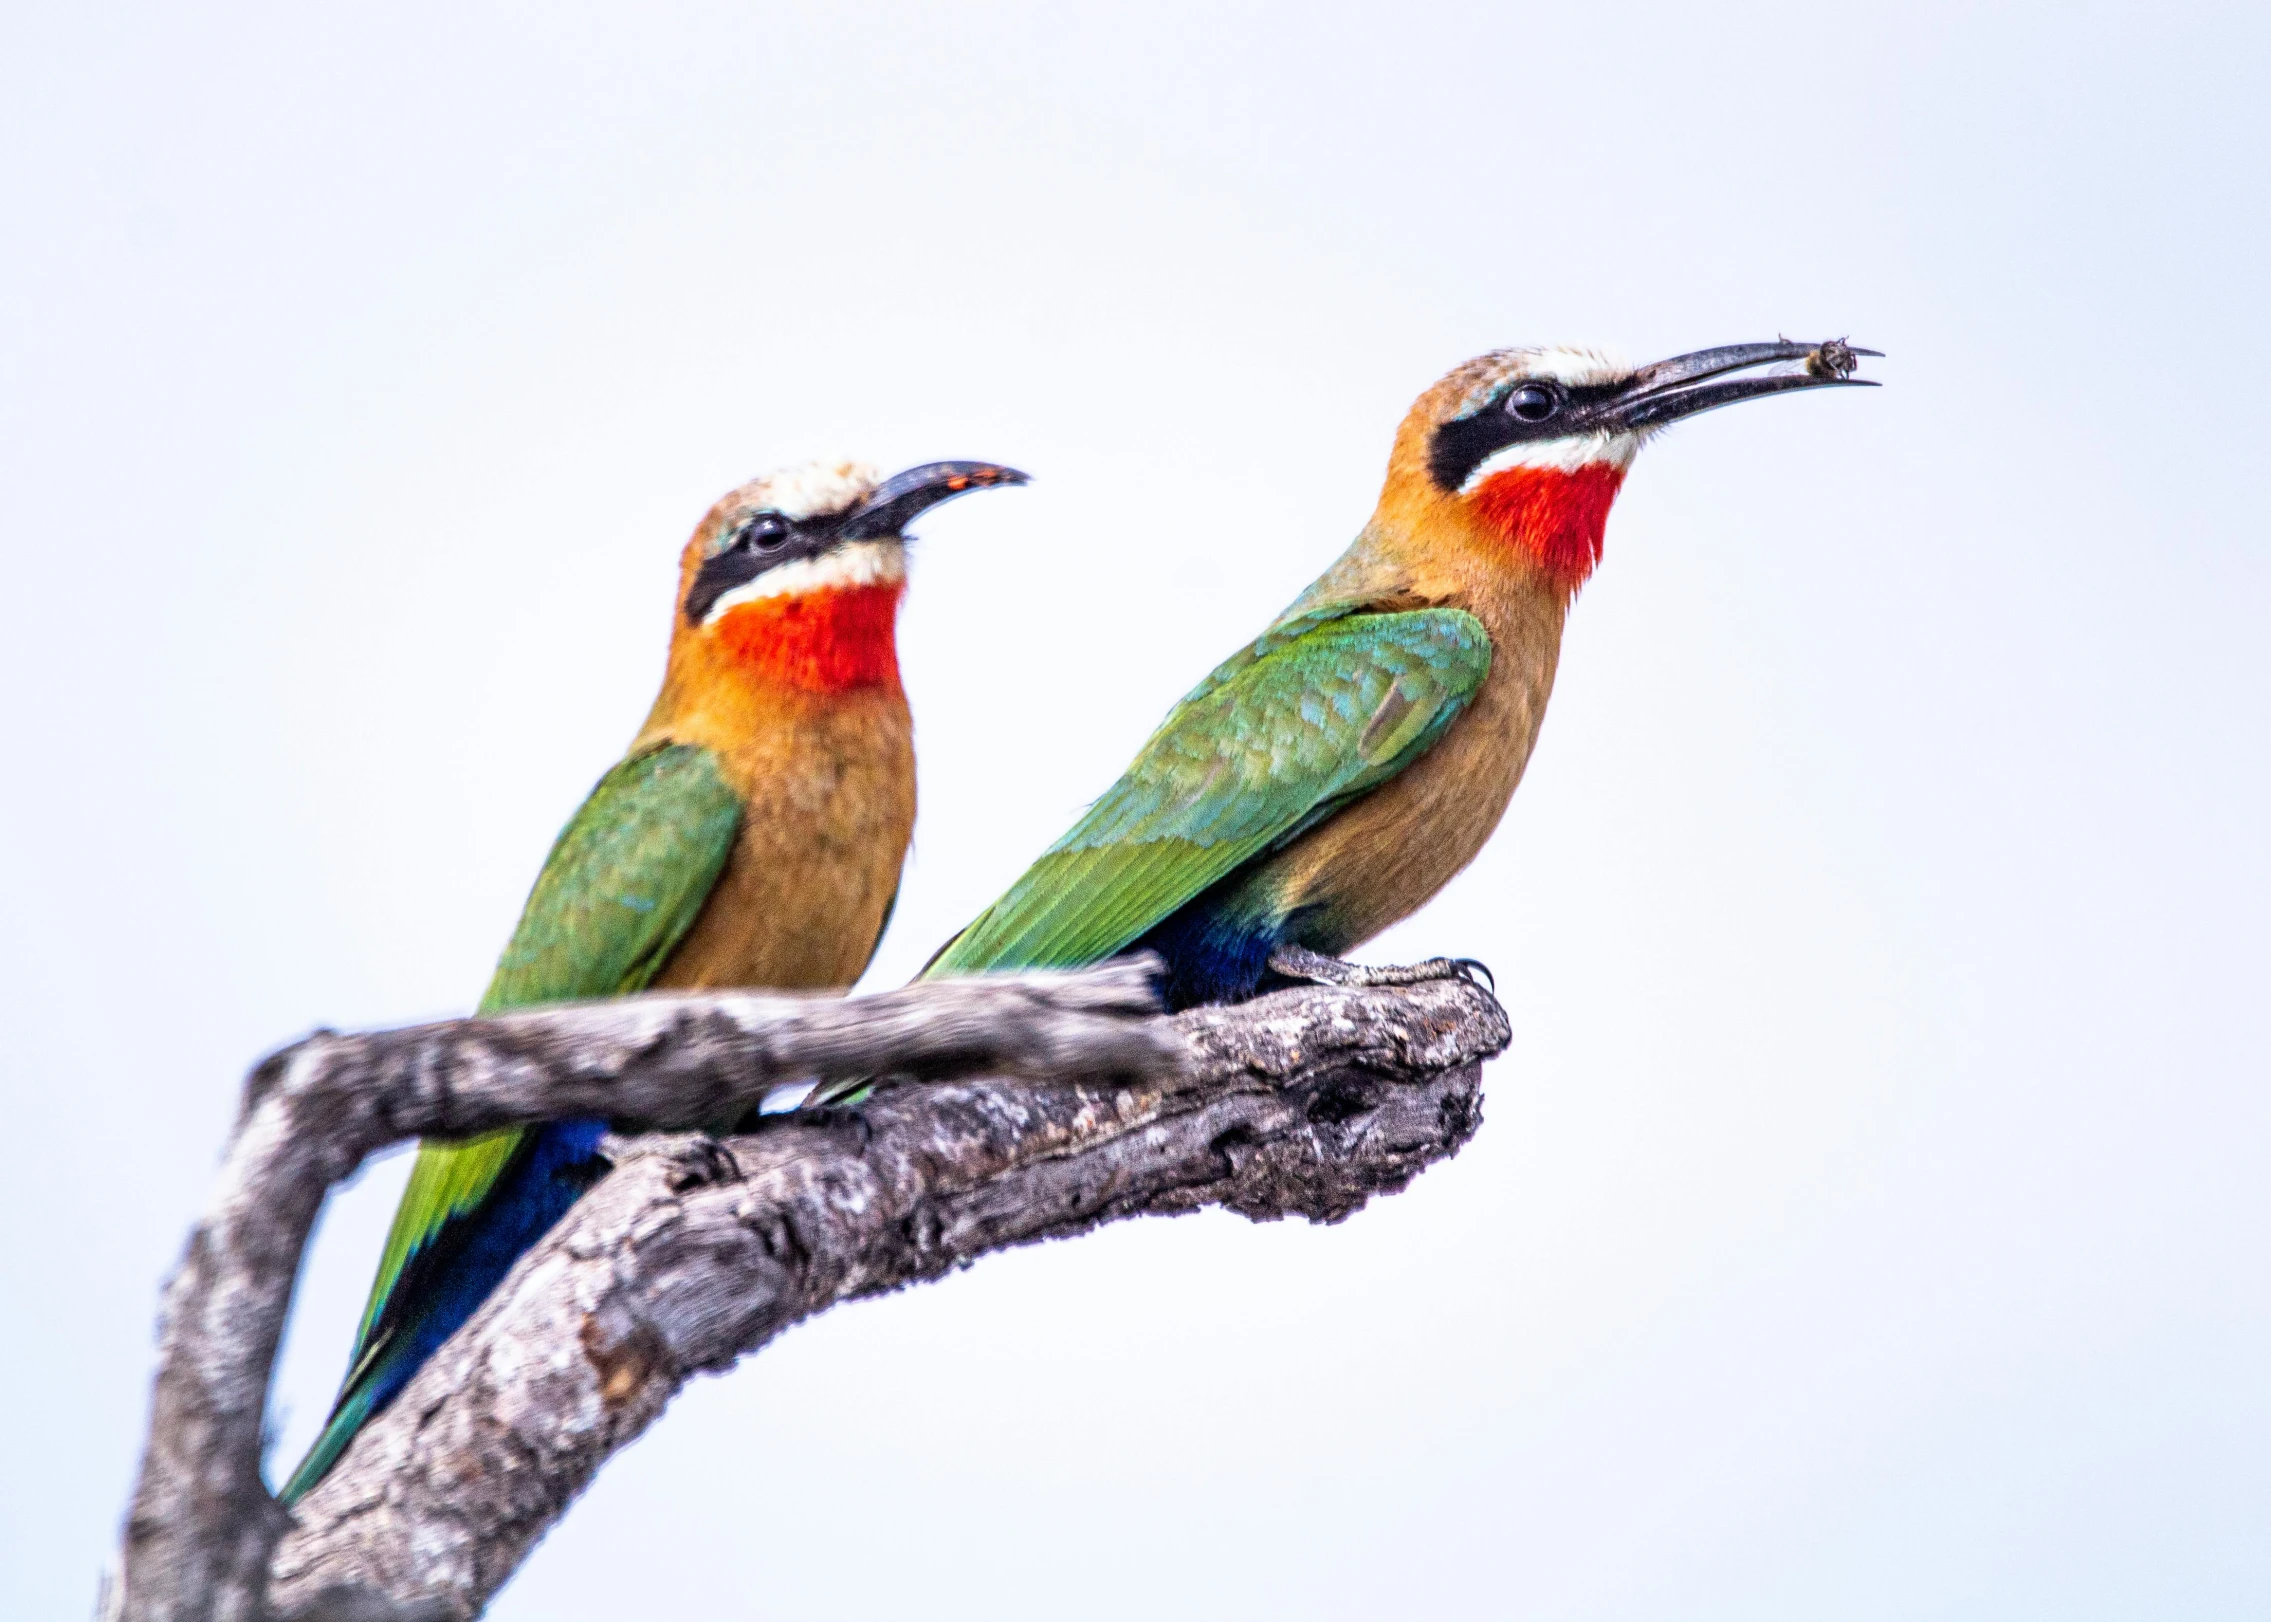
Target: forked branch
<point x="696" y="1251"/>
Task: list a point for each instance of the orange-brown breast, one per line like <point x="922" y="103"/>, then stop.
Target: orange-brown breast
<point x="1387" y="855"/>
<point x="809" y="725"/>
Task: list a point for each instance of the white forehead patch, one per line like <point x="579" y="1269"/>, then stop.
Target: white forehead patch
<point x="1579" y="368"/>
<point x="1572" y="368"/>
<point x="814" y="489"/>
<point x="840" y="568"/>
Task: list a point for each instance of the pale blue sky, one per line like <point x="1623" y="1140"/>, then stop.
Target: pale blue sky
<point x="1870" y="1217"/>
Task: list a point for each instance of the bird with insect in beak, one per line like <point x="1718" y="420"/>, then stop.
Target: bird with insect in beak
<point x="1335" y="773"/>
<point x="752" y="836"/>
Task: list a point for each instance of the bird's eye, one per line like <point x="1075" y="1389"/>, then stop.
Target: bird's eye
<point x="1533" y="402"/>
<point x="765" y="532"/>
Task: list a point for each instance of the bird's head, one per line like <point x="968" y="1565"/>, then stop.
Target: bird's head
<point x="1529" y="446"/>
<point x="797" y="575"/>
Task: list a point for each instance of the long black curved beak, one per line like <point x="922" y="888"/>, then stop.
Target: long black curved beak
<point x="895" y="503"/>
<point x="1686" y="384"/>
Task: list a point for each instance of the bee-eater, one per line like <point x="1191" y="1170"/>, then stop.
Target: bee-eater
<point x="752" y="836"/>
<point x="1335" y="773"/>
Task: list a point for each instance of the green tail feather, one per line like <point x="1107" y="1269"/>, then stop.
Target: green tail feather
<point x="345" y="1421"/>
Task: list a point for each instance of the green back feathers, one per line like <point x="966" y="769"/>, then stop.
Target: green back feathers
<point x="623" y="884"/>
<point x="1324" y="706"/>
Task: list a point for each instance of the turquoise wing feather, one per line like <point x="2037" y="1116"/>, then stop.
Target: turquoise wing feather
<point x="1325" y="706"/>
<point x="624" y="882"/>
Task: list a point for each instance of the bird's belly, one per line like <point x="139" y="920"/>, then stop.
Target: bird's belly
<point x="1385" y="856"/>
<point x="827" y="816"/>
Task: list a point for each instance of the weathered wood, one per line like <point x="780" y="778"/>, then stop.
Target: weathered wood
<point x="696" y="1251"/>
<point x="202" y="1526"/>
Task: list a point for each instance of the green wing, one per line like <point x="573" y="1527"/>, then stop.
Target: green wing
<point x="1326" y="705"/>
<point x="625" y="881"/>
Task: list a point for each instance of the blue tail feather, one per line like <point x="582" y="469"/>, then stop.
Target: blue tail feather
<point x="560" y="1161"/>
<point x="1217" y="948"/>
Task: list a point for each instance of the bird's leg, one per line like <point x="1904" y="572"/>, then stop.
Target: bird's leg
<point x="1300" y="963"/>
<point x="830" y="1118"/>
<point x="695" y="1159"/>
<point x="833" y="1107"/>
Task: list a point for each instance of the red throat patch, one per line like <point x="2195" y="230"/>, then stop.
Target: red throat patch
<point x="826" y="641"/>
<point x="1558" y="516"/>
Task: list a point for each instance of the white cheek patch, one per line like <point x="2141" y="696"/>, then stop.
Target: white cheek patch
<point x="840" y="568"/>
<point x="1559" y="455"/>
<point x="815" y="488"/>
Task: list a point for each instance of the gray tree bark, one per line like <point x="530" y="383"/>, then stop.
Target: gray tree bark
<point x="697" y="1250"/>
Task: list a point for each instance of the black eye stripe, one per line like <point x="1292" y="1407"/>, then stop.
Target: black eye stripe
<point x="1463" y="444"/>
<point x="761" y="542"/>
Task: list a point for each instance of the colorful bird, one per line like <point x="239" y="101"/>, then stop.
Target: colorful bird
<point x="1331" y="776"/>
<point x="752" y="836"/>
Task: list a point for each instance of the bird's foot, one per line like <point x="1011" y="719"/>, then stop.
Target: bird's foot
<point x="826" y="1117"/>
<point x="1300" y="963"/>
<point x="838" y="1118"/>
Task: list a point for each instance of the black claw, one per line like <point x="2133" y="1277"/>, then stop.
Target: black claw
<point x="719" y="1161"/>
<point x="1298" y="963"/>
<point x="705" y="1163"/>
<point x="831" y="1118"/>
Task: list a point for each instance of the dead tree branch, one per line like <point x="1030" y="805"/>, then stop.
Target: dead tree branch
<point x="696" y="1251"/>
